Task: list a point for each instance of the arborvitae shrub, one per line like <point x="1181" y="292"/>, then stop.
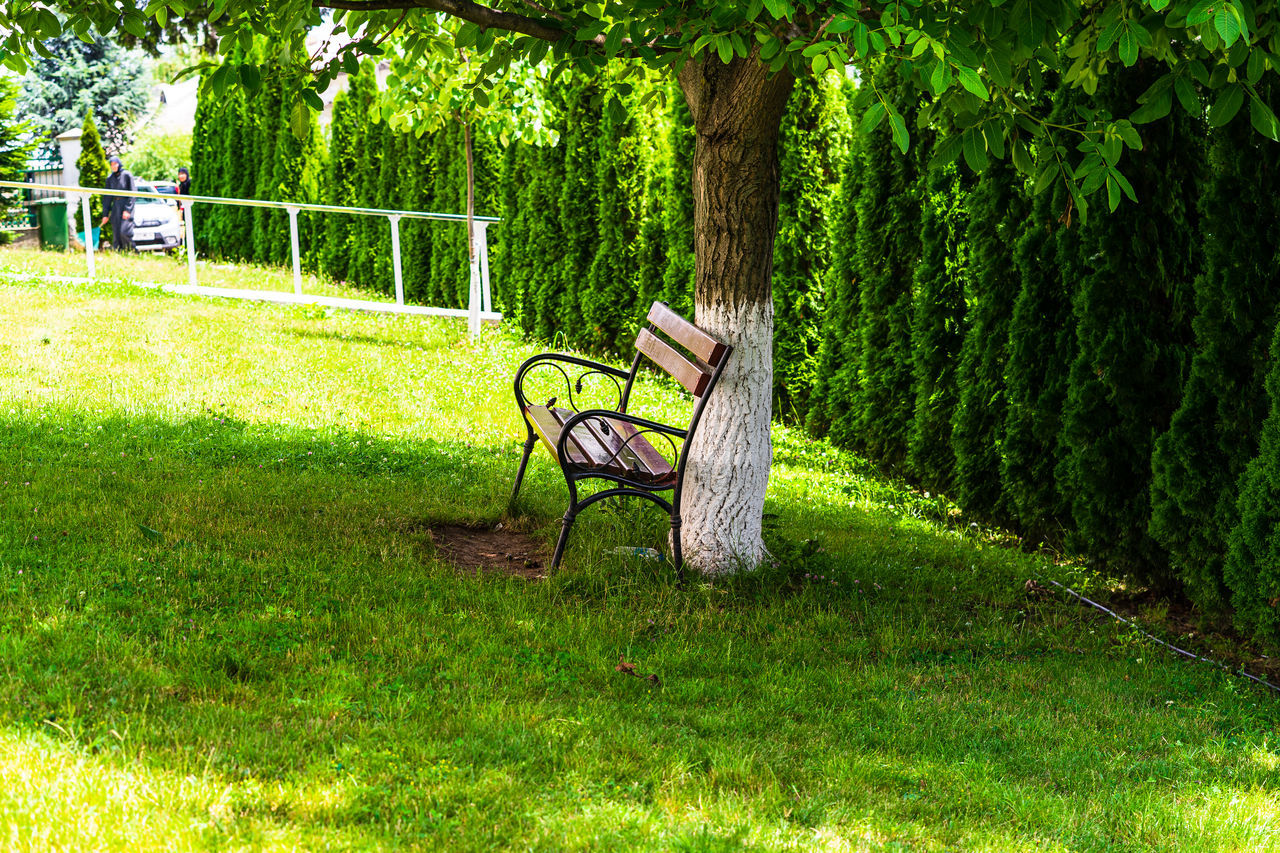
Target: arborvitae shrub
<point x="838" y="358"/>
<point x="677" y="210"/>
<point x="812" y="144"/>
<point x="887" y="251"/>
<point x="1198" y="462"/>
<point x="937" y="326"/>
<point x="92" y="165"/>
<point x="1133" y="312"/>
<point x="579" y="204"/>
<point x="996" y="213"/>
<point x="1252" y="567"/>
<point x="608" y="293"/>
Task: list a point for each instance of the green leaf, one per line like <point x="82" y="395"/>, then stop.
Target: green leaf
<point x="724" y="47"/>
<point x="819" y="64"/>
<point x="1113" y="194"/>
<point x="1048" y="174"/>
<point x="975" y="150"/>
<point x="946" y="151"/>
<point x="898" y="127"/>
<point x="1109" y="36"/>
<point x="1022" y="157"/>
<point x="250" y="77"/>
<point x="1124" y="185"/>
<point x="151" y="533"/>
<point x="1263" y="118"/>
<point x="1226" y="23"/>
<point x="778" y="8"/>
<point x="993" y="134"/>
<point x="972" y="82"/>
<point x="1187" y="97"/>
<point x="311" y="99"/>
<point x="1257" y="66"/>
<point x="1228" y="104"/>
<point x="1128" y="48"/>
<point x="1201" y="12"/>
<point x="613" y="41"/>
<point x="872" y="117"/>
<point x="1154" y="109"/>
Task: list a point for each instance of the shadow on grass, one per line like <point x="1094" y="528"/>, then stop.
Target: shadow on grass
<point x="254" y="606"/>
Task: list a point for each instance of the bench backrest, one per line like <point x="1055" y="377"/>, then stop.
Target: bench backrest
<point x="698" y="370"/>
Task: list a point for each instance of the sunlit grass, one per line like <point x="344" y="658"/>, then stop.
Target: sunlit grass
<point x="224" y="625"/>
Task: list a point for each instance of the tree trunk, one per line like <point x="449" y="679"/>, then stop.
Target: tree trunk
<point x="737" y="110"/>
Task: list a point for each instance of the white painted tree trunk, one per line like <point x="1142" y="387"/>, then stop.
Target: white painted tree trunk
<point x="728" y="470"/>
<point x="737" y="109"/>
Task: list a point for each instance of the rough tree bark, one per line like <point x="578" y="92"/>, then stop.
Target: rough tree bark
<point x="737" y="111"/>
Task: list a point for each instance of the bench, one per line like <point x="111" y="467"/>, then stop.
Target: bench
<point x="614" y="444"/>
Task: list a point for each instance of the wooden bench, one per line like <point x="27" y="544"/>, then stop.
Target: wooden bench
<point x="614" y="444"/>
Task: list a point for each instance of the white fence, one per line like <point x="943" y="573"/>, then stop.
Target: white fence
<point x="479" y="303"/>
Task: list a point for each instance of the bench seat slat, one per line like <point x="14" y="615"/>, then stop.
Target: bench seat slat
<point x="620" y="451"/>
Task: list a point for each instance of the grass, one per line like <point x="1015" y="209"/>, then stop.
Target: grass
<point x="223" y="625"/>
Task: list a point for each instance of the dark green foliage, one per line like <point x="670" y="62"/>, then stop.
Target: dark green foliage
<point x="76" y="77"/>
<point x="450" y="266"/>
<point x="534" y="235"/>
<point x="1133" y="312"/>
<point x="677" y="213"/>
<point x="578" y="203"/>
<point x="92" y="163"/>
<point x="340" y="182"/>
<point x="937" y="327"/>
<point x="838" y="353"/>
<point x="1042" y="347"/>
<point x="887" y="251"/>
<point x="812" y="144"/>
<point x="997" y="211"/>
<point x="1197" y="463"/>
<point x="1252" y="569"/>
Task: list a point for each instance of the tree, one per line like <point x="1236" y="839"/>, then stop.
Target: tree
<point x="736" y="64"/>
<point x="15" y="147"/>
<point x="92" y="163"/>
<point x="72" y="77"/>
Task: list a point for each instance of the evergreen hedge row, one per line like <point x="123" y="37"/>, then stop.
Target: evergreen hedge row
<point x="1100" y="386"/>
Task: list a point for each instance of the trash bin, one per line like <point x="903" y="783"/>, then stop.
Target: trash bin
<point x="52" y="213"/>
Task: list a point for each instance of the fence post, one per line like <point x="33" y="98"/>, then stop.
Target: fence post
<point x="482" y="250"/>
<point x="474" y="299"/>
<point x="88" y="235"/>
<point x="188" y="227"/>
<point x="297" y="253"/>
<point x="395" y="257"/>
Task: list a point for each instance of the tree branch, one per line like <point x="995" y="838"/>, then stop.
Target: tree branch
<point x="466" y="10"/>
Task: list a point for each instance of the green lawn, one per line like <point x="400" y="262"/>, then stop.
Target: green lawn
<point x="223" y="625"/>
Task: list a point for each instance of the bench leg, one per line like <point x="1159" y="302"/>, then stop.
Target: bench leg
<point x="676" y="555"/>
<point x="524" y="461"/>
<point x="565" y="524"/>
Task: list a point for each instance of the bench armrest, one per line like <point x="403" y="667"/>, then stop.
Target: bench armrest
<point x="634" y="420"/>
<point x="555" y="359"/>
<point x="639" y="426"/>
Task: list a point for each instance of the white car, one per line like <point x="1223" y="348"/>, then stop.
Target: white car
<point x="156" y="226"/>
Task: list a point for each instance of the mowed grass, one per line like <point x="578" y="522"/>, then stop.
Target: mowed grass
<point x="224" y="625"/>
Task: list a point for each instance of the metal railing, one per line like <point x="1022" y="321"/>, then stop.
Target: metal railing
<point x="479" y="302"/>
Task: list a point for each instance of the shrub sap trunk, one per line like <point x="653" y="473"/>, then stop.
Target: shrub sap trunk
<point x="737" y="110"/>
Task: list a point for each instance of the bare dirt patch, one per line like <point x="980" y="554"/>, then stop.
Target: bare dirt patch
<point x="480" y="549"/>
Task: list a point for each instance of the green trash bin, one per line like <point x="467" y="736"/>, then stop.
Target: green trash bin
<point x="52" y="213"/>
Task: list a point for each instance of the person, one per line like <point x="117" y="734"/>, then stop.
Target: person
<point x="119" y="209"/>
<point x="184" y="188"/>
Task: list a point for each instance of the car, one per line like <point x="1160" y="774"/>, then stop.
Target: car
<point x="156" y="224"/>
